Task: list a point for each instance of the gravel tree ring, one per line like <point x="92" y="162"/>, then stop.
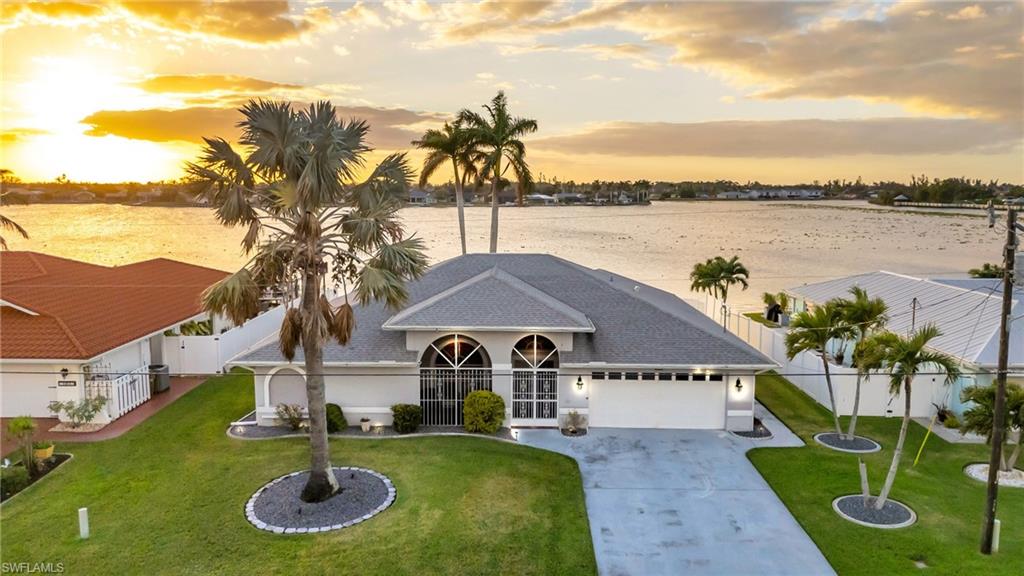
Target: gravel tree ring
<point x="893" y="515"/>
<point x="276" y="507"/>
<point x="856" y="445"/>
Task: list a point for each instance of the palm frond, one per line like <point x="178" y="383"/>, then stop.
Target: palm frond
<point x="378" y="284"/>
<point x="288" y="338"/>
<point x="344" y="323"/>
<point x="235" y="297"/>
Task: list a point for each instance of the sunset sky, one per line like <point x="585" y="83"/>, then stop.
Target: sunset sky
<point x="780" y="92"/>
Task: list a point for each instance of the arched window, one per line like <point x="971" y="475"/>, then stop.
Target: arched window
<point x="455" y="351"/>
<point x="536" y="352"/>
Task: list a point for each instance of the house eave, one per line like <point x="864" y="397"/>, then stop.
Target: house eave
<point x="617" y="366"/>
<point x="539" y="329"/>
<point x="377" y="364"/>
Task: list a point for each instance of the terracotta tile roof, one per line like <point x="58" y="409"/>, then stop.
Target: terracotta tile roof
<point x="83" y="310"/>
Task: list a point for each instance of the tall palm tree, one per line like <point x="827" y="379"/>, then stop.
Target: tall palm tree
<point x="451" y="143"/>
<point x="812" y="331"/>
<point x="864" y="315"/>
<point x="498" y="136"/>
<point x="905" y="357"/>
<point x="979" y="417"/>
<point x="6" y="223"/>
<point x="716" y="275"/>
<point x="308" y="221"/>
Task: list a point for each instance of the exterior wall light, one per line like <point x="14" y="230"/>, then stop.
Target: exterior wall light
<point x="64" y="373"/>
<point x="739" y="385"/>
<point x="579" y="383"/>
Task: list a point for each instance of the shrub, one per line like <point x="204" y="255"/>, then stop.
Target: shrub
<point x="574" y="421"/>
<point x="21" y="429"/>
<point x="13" y="479"/>
<point x="42" y="445"/>
<point x="81" y="412"/>
<point x="951" y="422"/>
<point x="483" y="412"/>
<point x="335" y="419"/>
<point x="290" y="414"/>
<point x="406" y="417"/>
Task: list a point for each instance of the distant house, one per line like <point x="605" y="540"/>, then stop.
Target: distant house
<point x="733" y="195"/>
<point x="73" y="330"/>
<point x="81" y="196"/>
<point x="966" y="311"/>
<point x="421" y="197"/>
<point x="539" y="199"/>
<point x="901" y="198"/>
<point x="570" y="198"/>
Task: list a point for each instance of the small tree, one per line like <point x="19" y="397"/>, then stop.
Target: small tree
<point x="979" y="418"/>
<point x="812" y="331"/>
<point x="716" y="275"/>
<point x="21" y="430"/>
<point x="864" y="315"/>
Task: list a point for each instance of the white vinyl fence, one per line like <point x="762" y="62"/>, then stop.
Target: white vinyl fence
<point x="805" y="370"/>
<point x="123" y="393"/>
<point x="208" y="354"/>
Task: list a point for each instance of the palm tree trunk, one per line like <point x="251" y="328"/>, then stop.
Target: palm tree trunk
<point x="1012" y="461"/>
<point x="459" y="203"/>
<point x="898" y="452"/>
<point x="321" y="484"/>
<point x="495" y="176"/>
<point x="852" y="430"/>
<point x="831" y="393"/>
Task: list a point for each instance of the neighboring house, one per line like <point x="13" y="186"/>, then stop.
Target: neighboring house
<point x="539" y="199"/>
<point x="901" y="198"/>
<point x="422" y="197"/>
<point x="547" y="335"/>
<point x="570" y="198"/>
<point x="72" y="329"/>
<point x="966" y="311"/>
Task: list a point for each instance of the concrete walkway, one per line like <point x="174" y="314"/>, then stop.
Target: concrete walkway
<point x="667" y="502"/>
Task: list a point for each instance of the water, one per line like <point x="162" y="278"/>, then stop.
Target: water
<point x="783" y="244"/>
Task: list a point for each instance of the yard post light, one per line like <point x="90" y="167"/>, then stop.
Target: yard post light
<point x="739" y="385"/>
<point x="579" y="383"/>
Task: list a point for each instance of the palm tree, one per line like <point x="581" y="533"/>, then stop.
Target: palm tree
<point x="307" y="220"/>
<point x="987" y="270"/>
<point x="812" y="331"/>
<point x="716" y="275"/>
<point x="864" y="315"/>
<point x="451" y="143"/>
<point x="6" y="223"/>
<point x="979" y="417"/>
<point x="498" y="136"/>
<point x="905" y="357"/>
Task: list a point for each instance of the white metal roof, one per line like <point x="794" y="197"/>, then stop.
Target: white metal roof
<point x="967" y="316"/>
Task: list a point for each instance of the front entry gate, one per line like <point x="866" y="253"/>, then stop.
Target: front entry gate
<point x="443" y="391"/>
<point x="535" y="397"/>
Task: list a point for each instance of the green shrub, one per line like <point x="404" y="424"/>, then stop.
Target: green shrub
<point x="406" y="417"/>
<point x="290" y="414"/>
<point x="21" y="429"/>
<point x="81" y="412"/>
<point x="335" y="419"/>
<point x="951" y="422"/>
<point x="13" y="479"/>
<point x="483" y="412"/>
<point x="42" y="445"/>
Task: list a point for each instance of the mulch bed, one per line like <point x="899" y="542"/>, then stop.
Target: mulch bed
<point x="277" y="507"/>
<point x="45" y="467"/>
<point x="892" y="515"/>
<point x="575" y="433"/>
<point x="857" y="444"/>
<point x="759" y="431"/>
<point x="261" y="432"/>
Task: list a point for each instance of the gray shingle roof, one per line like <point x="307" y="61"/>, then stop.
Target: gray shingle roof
<point x="634" y="324"/>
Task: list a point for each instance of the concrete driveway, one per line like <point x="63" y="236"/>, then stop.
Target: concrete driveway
<point x="684" y="502"/>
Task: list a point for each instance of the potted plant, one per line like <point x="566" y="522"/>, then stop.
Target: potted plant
<point x="364" y="423"/>
<point x="42" y="450"/>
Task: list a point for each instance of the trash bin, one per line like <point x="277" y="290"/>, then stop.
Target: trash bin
<point x="159" y="378"/>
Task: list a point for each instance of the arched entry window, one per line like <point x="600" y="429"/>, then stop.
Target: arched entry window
<point x="451" y="368"/>
<point x="535" y="381"/>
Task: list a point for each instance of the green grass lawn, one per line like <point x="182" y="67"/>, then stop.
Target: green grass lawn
<point x="949" y="505"/>
<point x="168" y="498"/>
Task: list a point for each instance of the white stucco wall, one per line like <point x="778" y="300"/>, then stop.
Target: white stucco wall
<point x="26" y="389"/>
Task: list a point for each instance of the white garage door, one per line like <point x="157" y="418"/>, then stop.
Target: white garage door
<point x="657" y="404"/>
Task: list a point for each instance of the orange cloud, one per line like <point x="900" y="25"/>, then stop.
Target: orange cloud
<point x="200" y="83"/>
<point x="12" y="135"/>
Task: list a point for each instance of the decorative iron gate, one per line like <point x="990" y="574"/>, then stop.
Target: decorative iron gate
<point x="443" y="390"/>
<point x="535" y="394"/>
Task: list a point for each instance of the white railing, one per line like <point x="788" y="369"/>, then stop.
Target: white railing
<point x="123" y="394"/>
<point x="208" y="354"/>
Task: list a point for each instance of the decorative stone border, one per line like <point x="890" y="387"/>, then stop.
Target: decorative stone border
<point x="970" y="469"/>
<point x="876" y="448"/>
<point x="845" y="516"/>
<point x="250" y="514"/>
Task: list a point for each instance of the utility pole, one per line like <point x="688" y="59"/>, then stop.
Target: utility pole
<point x="998" y="408"/>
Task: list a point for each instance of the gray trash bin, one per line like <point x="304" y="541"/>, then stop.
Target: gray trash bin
<point x="159" y="378"/>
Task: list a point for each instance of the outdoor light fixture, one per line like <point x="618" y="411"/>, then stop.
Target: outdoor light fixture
<point x="739" y="385"/>
<point x="579" y="382"/>
<point x="64" y="373"/>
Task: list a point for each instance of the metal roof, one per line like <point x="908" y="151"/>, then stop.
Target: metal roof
<point x="966" y="312"/>
<point x="627" y="323"/>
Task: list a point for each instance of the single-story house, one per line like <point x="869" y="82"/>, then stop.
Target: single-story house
<point x="549" y="336"/>
<point x="422" y="197"/>
<point x="72" y="330"/>
<point x="544" y="199"/>
<point x="966" y="311"/>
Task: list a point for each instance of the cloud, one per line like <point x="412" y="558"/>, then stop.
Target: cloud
<point x="13" y="135"/>
<point x="340" y="50"/>
<point x="202" y="83"/>
<point x="789" y="138"/>
<point x="253" y="22"/>
<point x="390" y="128"/>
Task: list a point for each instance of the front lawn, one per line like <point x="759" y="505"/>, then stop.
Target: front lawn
<point x="168" y="498"/>
<point x="949" y="505"/>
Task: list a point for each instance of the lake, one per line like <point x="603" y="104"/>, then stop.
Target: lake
<point x="782" y="243"/>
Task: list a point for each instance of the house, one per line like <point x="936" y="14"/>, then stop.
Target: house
<point x="421" y="197"/>
<point x="72" y="330"/>
<point x="543" y="199"/>
<point x="570" y="198"/>
<point x="901" y="198"/>
<point x="966" y="311"/>
<point x="547" y="335"/>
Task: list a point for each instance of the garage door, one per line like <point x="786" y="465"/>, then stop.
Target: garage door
<point x="657" y="404"/>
